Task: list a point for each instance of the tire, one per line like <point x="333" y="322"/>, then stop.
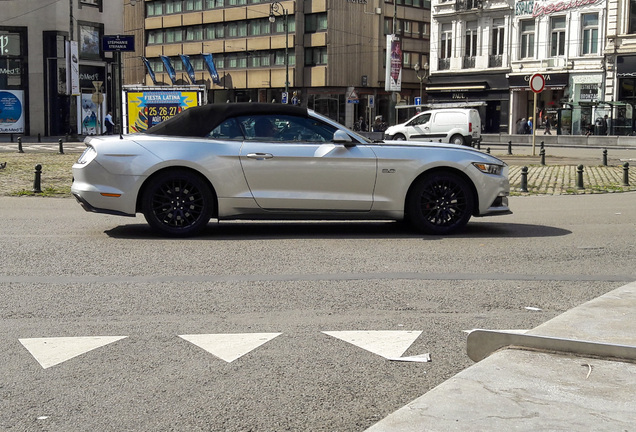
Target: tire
<point x="457" y="139"/>
<point x="177" y="203"/>
<point x="399" y="137"/>
<point x="440" y="203"/>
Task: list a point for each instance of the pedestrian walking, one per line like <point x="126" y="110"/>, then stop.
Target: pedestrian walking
<point x="108" y="121"/>
<point x="530" y="125"/>
<point x="547" y="125"/>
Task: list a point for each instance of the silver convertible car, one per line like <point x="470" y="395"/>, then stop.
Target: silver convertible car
<point x="269" y="161"/>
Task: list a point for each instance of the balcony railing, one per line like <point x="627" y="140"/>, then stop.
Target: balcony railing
<point x="464" y="5"/>
<point x="495" y="60"/>
<point x="443" y="64"/>
<point x="469" y="62"/>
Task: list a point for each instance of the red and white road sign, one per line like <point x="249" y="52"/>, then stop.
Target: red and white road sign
<point x="537" y="83"/>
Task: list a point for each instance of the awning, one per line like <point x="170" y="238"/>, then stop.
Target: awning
<point x="455" y="104"/>
<point x="464" y="87"/>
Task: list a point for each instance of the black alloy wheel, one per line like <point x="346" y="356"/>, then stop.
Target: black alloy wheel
<point x="440" y="203"/>
<point x="177" y="203"/>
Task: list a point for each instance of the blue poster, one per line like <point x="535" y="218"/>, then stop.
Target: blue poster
<point x="11" y="111"/>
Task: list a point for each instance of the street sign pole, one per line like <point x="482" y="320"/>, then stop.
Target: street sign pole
<point x="537" y="84"/>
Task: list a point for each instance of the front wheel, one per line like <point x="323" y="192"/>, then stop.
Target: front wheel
<point x="399" y="137"/>
<point x="177" y="203"/>
<point x="440" y="203"/>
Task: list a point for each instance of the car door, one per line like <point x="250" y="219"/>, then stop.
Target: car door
<point x="301" y="169"/>
<point x="419" y="127"/>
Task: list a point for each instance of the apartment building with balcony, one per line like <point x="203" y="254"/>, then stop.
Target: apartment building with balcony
<point x="330" y="56"/>
<point x="483" y="53"/>
<point x="471" y="58"/>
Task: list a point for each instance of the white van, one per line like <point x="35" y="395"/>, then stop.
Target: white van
<point x="458" y="126"/>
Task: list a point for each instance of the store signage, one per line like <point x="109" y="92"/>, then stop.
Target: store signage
<point x="547" y="8"/>
<point x="10" y="44"/>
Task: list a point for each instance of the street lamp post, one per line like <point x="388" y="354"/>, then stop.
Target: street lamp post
<point x="421" y="77"/>
<point x="277" y="8"/>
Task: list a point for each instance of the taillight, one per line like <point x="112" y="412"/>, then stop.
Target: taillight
<point x="470" y="127"/>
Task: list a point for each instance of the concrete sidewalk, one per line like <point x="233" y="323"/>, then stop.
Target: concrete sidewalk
<point x="536" y="390"/>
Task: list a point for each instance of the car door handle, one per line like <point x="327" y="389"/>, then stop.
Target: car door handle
<point x="260" y="156"/>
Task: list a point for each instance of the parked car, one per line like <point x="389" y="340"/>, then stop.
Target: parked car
<point x="461" y="126"/>
<point x="267" y="161"/>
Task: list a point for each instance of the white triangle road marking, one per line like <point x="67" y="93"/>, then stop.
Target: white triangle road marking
<point x="55" y="350"/>
<point x="229" y="346"/>
<point x="386" y="343"/>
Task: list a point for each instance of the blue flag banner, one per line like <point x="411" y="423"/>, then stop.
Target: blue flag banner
<point x="150" y="71"/>
<point x="209" y="62"/>
<point x="188" y="67"/>
<point x="171" y="73"/>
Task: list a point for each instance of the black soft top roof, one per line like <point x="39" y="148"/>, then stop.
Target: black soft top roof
<point x="199" y="121"/>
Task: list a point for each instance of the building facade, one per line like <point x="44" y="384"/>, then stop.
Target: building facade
<point x="330" y="55"/>
<point x="484" y="52"/>
<point x="34" y="54"/>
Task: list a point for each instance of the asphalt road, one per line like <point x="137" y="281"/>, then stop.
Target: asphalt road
<point x="226" y="332"/>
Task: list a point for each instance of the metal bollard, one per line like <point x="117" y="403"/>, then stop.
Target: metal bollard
<point x="37" y="180"/>
<point x="605" y="157"/>
<point x="19" y="145"/>
<point x="61" y="146"/>
<point x="542" y="146"/>
<point x="626" y="174"/>
<point x="509" y="147"/>
<point x="524" y="179"/>
<point x="478" y="144"/>
<point x="488" y="150"/>
<point x="11" y="137"/>
<point x="579" y="177"/>
<point x="542" y="154"/>
<point x="39" y="137"/>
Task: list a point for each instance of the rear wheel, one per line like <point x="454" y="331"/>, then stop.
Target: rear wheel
<point x="440" y="203"/>
<point x="457" y="139"/>
<point x="177" y="203"/>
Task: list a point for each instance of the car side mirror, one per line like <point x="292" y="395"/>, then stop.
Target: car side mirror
<point x="341" y="137"/>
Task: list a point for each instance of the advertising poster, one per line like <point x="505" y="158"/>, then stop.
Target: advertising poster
<point x="148" y="108"/>
<point x="393" y="78"/>
<point x="11" y="111"/>
<point x="92" y="115"/>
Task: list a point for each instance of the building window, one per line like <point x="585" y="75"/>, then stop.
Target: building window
<point x="155" y="37"/>
<point x="214" y="31"/>
<point x="316" y="22"/>
<point x="154" y="8"/>
<point x="497" y="42"/>
<point x="174" y="35"/>
<point x="527" y="39"/>
<point x="259" y="27"/>
<point x="174" y="6"/>
<point x="214" y="4"/>
<point x="446" y="43"/>
<point x="315" y="56"/>
<point x="471" y="39"/>
<point x="237" y="29"/>
<point x="557" y="40"/>
<point x="194" y="33"/>
<point x="590" y="33"/>
<point x="632" y="16"/>
<point x="193" y="5"/>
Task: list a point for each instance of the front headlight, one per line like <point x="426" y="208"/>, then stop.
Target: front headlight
<point x="88" y="155"/>
<point x="488" y="168"/>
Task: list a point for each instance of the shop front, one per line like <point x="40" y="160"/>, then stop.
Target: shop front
<point x="550" y="101"/>
<point x="487" y="93"/>
<point x="14" y="94"/>
<point x="623" y="111"/>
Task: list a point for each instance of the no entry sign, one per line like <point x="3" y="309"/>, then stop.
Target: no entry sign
<point x="537" y="83"/>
